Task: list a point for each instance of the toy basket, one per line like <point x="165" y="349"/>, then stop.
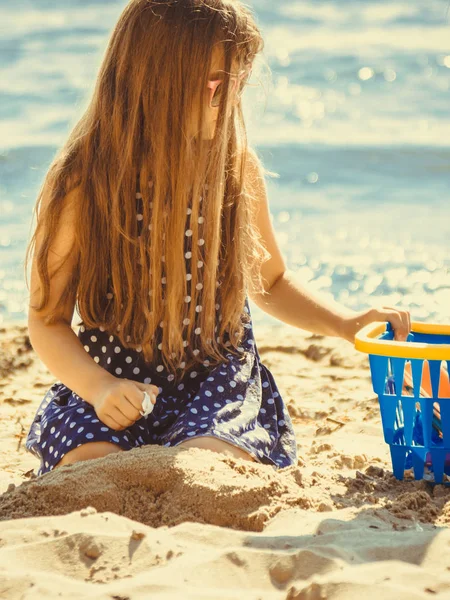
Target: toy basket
<point x="411" y="381"/>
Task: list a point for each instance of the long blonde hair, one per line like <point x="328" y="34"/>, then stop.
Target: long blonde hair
<point x="131" y="277"/>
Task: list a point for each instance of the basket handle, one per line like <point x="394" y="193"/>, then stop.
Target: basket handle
<point x="366" y="340"/>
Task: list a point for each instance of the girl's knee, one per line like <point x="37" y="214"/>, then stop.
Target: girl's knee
<point x="88" y="451"/>
<point x="212" y="443"/>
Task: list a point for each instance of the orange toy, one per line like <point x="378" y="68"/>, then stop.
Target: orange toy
<point x="426" y="391"/>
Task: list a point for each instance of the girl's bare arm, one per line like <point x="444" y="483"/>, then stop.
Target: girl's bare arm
<point x="57" y="345"/>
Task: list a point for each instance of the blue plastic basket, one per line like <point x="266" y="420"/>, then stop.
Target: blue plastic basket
<point x="417" y="428"/>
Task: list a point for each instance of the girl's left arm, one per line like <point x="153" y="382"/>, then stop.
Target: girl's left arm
<point x="290" y="301"/>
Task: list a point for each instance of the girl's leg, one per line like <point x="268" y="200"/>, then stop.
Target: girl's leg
<point x="88" y="451"/>
<point x="212" y="443"/>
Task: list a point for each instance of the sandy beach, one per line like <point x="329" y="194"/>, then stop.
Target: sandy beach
<point x="191" y="523"/>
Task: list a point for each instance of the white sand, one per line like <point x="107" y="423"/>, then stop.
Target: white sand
<point x="190" y="523"/>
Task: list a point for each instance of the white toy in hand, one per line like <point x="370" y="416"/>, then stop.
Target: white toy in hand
<point x="147" y="405"/>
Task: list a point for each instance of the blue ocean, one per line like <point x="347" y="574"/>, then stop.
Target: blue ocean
<point x="351" y="111"/>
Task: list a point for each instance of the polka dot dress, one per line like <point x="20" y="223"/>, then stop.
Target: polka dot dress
<point x="238" y="403"/>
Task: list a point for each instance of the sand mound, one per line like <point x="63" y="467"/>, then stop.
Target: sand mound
<point x="161" y="486"/>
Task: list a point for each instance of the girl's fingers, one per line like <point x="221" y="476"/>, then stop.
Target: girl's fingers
<point x="120" y="419"/>
<point x="109" y="421"/>
<point x="399" y="319"/>
<point x="152" y="391"/>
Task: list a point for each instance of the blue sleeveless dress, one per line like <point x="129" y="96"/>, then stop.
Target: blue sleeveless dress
<point x="238" y="402"/>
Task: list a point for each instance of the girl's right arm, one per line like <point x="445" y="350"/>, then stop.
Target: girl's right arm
<point x="57" y="345"/>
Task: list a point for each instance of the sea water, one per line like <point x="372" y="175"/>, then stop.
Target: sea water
<point x="351" y="112"/>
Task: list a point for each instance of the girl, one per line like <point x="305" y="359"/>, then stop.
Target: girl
<point x="154" y="220"/>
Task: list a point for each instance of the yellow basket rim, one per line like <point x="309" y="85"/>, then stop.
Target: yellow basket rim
<point x="365" y="342"/>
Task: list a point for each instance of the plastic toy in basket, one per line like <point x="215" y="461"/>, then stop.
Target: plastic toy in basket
<point x="412" y="383"/>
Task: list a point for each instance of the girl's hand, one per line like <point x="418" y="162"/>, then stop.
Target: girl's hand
<point x="399" y="319"/>
<point x="120" y="403"/>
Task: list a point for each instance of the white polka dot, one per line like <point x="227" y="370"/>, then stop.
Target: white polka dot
<point x="270" y="401"/>
<point x="114" y="438"/>
<point x="117" y="349"/>
<point x="201" y="241"/>
<point x="185" y="343"/>
<point x="52" y="430"/>
<point x="199" y="308"/>
<point x="192" y="424"/>
<point x="139" y="217"/>
<point x="103" y="348"/>
<point x="69" y="443"/>
<point x="63" y="439"/>
<point x="181" y="386"/>
<point x="195" y="352"/>
<point x="136" y="370"/>
<point x="72" y="424"/>
<point x="194" y="410"/>
<point x="194" y="374"/>
<point x="119" y="371"/>
<point x="188" y="277"/>
<point x="191" y="433"/>
<point x="182" y="364"/>
<point x="200" y="264"/>
<point x="93" y="338"/>
<point x="188" y="254"/>
<point x="139" y="349"/>
<point x="205" y="408"/>
<point x="147" y="380"/>
<point x="188" y="232"/>
<point x="201" y="219"/>
<point x="281" y="423"/>
<point x="104" y="428"/>
<point x="265" y="384"/>
<point x="138" y="195"/>
<point x="160" y="368"/>
<point x="80" y="429"/>
<point x="86" y="348"/>
<point x="189" y="211"/>
<point x="80" y="410"/>
<point x="111" y="338"/>
<point x="233" y="384"/>
<point x="199" y="286"/>
<point x="170" y="377"/>
<point x="187" y="299"/>
<point x="128" y="359"/>
<point x="220" y="388"/>
<point x="50" y="449"/>
<point x="109" y="361"/>
<point x="208" y="393"/>
<point x="186" y="321"/>
<point x="96" y="359"/>
<point x="198" y="330"/>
